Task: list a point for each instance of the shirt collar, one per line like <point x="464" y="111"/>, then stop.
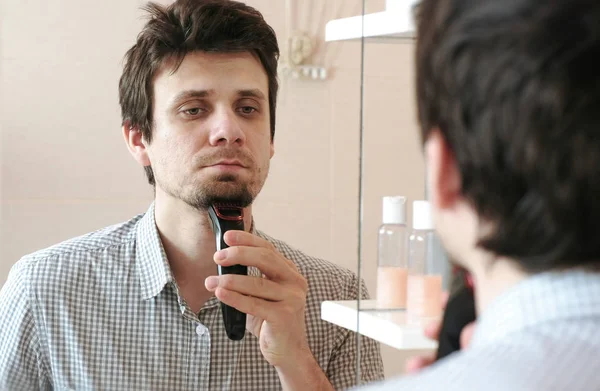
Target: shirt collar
<point x="151" y="260"/>
<point x="152" y="264"/>
<point x="539" y="299"/>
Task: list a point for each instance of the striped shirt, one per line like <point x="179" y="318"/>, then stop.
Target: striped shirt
<point x="103" y="312"/>
<point x="541" y="335"/>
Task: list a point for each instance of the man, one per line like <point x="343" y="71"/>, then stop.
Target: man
<point x="509" y="105"/>
<point x="136" y="306"/>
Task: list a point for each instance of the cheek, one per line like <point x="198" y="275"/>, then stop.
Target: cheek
<point x="164" y="154"/>
<point x="265" y="156"/>
<point x="174" y="146"/>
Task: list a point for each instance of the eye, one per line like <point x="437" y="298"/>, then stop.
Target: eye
<point x="247" y="110"/>
<point x="193" y="111"/>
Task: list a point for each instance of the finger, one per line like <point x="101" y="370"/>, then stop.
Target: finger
<point x="415" y="364"/>
<point x="249" y="305"/>
<point x="243" y="238"/>
<point x="271" y="264"/>
<point x="248" y="285"/>
<point x="466" y="335"/>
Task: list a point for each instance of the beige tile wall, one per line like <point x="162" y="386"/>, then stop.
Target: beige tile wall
<point x="66" y="171"/>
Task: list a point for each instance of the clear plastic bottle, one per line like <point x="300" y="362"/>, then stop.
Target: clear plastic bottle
<point x="425" y="268"/>
<point x="392" y="265"/>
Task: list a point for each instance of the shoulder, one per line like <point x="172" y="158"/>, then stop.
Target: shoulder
<point x="326" y="279"/>
<point x="68" y="258"/>
<point x="526" y="360"/>
<point x="461" y="371"/>
<point x="107" y="237"/>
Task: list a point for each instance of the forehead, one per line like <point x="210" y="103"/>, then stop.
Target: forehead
<point x="220" y="72"/>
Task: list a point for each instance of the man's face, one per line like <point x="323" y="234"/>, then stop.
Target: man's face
<point x="211" y="137"/>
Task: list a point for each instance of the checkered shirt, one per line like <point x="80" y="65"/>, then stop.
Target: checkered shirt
<point x="102" y="312"/>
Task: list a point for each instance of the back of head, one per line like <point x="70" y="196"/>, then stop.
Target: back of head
<point x="183" y="27"/>
<point x="514" y="87"/>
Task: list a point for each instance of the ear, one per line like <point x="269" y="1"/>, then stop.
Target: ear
<point x="443" y="177"/>
<point x="272" y="148"/>
<point x="136" y="144"/>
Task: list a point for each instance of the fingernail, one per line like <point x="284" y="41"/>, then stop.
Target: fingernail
<point x="211" y="282"/>
<point x="221" y="255"/>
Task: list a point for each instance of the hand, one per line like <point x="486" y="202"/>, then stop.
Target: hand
<point x="415" y="364"/>
<point x="274" y="305"/>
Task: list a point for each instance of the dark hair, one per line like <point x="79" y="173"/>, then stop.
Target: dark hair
<point x="514" y="88"/>
<point x="187" y="26"/>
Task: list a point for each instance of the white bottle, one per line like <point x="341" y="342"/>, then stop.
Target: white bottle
<point x="392" y="266"/>
<point x="425" y="268"/>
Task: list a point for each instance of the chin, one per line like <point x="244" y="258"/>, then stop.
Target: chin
<point x="228" y="192"/>
<point x="205" y="190"/>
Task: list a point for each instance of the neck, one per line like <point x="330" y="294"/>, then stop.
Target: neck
<point x="492" y="277"/>
<point x="187" y="237"/>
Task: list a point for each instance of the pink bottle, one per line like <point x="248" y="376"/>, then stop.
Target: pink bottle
<point x="392" y="264"/>
<point x="425" y="270"/>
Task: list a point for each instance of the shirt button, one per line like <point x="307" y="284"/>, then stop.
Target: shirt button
<point x="201" y="330"/>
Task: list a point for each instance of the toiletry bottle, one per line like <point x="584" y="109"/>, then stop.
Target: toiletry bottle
<point x="425" y="268"/>
<point x="392" y="265"/>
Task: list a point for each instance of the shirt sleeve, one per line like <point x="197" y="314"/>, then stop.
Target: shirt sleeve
<point x="19" y="344"/>
<point x="341" y="370"/>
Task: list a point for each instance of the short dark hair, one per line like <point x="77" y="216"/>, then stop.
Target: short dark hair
<point x="186" y="26"/>
<point x="514" y="88"/>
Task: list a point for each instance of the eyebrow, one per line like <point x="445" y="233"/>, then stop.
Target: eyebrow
<point x="187" y="94"/>
<point x="253" y="93"/>
<point x="192" y="94"/>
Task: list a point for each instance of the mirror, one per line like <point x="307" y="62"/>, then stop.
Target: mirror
<point x="66" y="172"/>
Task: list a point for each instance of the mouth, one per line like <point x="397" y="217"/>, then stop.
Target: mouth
<point x="227" y="166"/>
<point x="228" y="163"/>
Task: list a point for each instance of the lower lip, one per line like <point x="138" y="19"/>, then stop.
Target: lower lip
<point x="227" y="167"/>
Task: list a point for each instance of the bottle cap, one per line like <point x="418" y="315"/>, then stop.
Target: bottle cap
<point x="394" y="210"/>
<point x="422" y="218"/>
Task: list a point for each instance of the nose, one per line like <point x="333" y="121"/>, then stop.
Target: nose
<point x="226" y="128"/>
